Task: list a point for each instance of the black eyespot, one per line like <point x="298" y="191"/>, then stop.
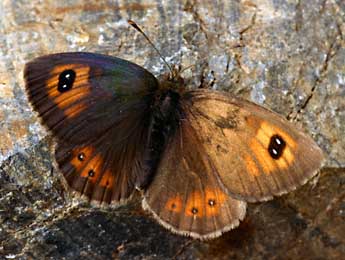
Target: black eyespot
<point x="66" y="80"/>
<point x="211" y="202"/>
<point x="173" y="205"/>
<point x="81" y="157"/>
<point x="194" y="211"/>
<point x="91" y="173"/>
<point x="276" y="146"/>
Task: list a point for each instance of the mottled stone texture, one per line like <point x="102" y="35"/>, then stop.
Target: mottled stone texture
<point x="286" y="54"/>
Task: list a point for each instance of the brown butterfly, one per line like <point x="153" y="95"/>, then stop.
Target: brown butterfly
<point x="197" y="155"/>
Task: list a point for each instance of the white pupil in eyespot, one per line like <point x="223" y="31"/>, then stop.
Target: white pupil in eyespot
<point x="67" y="76"/>
<point x="278" y="141"/>
<point x="274" y="151"/>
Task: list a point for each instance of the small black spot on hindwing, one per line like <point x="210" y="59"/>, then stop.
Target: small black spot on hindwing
<point x="81" y="157"/>
<point x="91" y="173"/>
<point x="66" y="80"/>
<point x="211" y="202"/>
<point x="194" y="211"/>
<point x="276" y="146"/>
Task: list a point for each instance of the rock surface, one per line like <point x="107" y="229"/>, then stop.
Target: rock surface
<point x="286" y="55"/>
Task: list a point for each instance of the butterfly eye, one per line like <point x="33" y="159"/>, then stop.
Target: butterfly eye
<point x="276" y="146"/>
<point x="91" y="173"/>
<point x="66" y="80"/>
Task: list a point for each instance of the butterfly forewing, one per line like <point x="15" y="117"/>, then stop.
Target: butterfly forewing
<point x="98" y="108"/>
<point x="86" y="93"/>
<point x="255" y="153"/>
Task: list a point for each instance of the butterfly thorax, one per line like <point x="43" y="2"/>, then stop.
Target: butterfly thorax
<point x="172" y="81"/>
<point x="166" y="114"/>
<point x="166" y="106"/>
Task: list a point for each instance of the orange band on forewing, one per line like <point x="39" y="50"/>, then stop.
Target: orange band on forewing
<point x="251" y="166"/>
<point x="270" y="130"/>
<point x="262" y="156"/>
<point x="77" y="93"/>
<point x="80" y="90"/>
<point x="75" y="110"/>
<point x="287" y="157"/>
<point x="263" y="134"/>
<point x="282" y="163"/>
<point x="81" y="71"/>
<point x="260" y="145"/>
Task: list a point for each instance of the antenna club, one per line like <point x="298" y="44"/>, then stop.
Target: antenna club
<point x="135" y="26"/>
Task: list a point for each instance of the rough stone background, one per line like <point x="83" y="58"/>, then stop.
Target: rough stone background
<point x="288" y="55"/>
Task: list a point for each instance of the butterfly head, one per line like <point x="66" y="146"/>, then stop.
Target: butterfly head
<point x="172" y="81"/>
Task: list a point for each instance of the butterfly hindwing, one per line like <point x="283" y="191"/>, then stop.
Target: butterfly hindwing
<point x="97" y="106"/>
<point x="185" y="195"/>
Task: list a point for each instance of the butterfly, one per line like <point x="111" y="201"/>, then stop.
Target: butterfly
<point x="197" y="156"/>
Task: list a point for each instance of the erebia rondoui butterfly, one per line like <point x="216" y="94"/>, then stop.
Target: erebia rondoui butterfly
<point x="197" y="155"/>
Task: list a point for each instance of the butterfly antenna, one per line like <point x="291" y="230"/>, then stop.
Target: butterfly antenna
<point x="154" y="47"/>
